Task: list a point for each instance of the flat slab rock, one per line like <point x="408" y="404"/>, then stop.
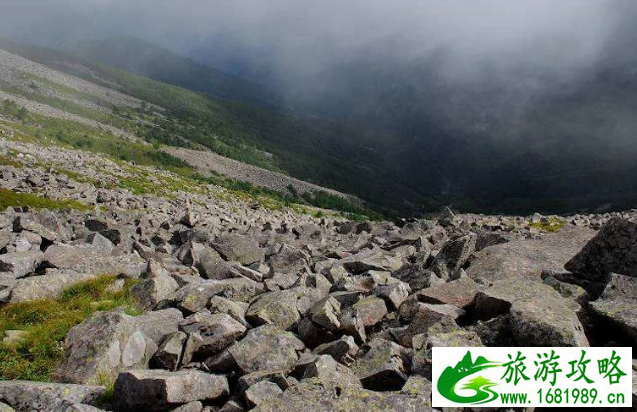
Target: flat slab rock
<point x="308" y="396"/>
<point x="88" y="259"/>
<point x="528" y="258"/>
<point x="46" y="286"/>
<point x="25" y="396"/>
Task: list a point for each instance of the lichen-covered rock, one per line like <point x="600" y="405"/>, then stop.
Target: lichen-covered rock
<point x="87" y="259"/>
<point x="384" y="367"/>
<point x="365" y="313"/>
<point x="312" y="395"/>
<point x="546" y="322"/>
<point x="242" y="249"/>
<point x="159" y="391"/>
<point x="344" y="350"/>
<point x="325" y="313"/>
<point x="330" y="373"/>
<point x="394" y="294"/>
<point x="214" y="332"/>
<point x="439" y="336"/>
<point x="528" y="258"/>
<point x="261" y="392"/>
<point x="288" y="260"/>
<point x="152" y="291"/>
<point x="266" y="348"/>
<point x="26" y="396"/>
<point x="371" y="260"/>
<point x="108" y="342"/>
<point x="278" y="308"/>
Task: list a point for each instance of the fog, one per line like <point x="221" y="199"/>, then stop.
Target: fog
<point x="323" y="51"/>
<point x="302" y="35"/>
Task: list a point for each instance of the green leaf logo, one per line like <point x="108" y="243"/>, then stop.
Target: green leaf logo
<point x="466" y="367"/>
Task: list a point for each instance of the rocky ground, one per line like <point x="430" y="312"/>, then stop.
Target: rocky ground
<point x="253" y="309"/>
<point x="208" y="161"/>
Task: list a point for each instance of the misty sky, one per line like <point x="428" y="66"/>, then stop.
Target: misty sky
<point x="306" y="33"/>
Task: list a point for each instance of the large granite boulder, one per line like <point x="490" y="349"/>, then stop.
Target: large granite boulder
<point x="528" y="258"/>
<point x="87" y="259"/>
<point x="266" y="348"/>
<point x="109" y="342"/>
<point x="242" y="249"/>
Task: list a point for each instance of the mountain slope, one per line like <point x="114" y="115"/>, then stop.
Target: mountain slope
<point x="399" y="135"/>
<point x="140" y="57"/>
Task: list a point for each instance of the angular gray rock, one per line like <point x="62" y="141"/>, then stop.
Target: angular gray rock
<point x="546" y="322"/>
<point x="20" y="264"/>
<point x="365" y="313"/>
<point x="371" y="260"/>
<point x="343" y="350"/>
<point x="237" y="310"/>
<point x="540" y="316"/>
<point x="612" y="250"/>
<point x="260" y="392"/>
<point x="242" y="249"/>
<point x="159" y="391"/>
<point x="325" y="313"/>
<point x="460" y="293"/>
<point x="384" y="367"/>
<point x="330" y="373"/>
<point x="169" y="353"/>
<point x="152" y="291"/>
<point x="214" y="332"/>
<point x="108" y="342"/>
<point x="394" y="294"/>
<point x="266" y="348"/>
<point x="453" y="256"/>
<point x="278" y="308"/>
<point x="288" y="260"/>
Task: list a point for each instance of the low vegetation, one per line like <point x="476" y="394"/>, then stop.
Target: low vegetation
<point x="550" y="225"/>
<point x="10" y="198"/>
<point x="46" y="323"/>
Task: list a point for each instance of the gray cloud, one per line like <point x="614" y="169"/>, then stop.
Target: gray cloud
<point x="300" y="43"/>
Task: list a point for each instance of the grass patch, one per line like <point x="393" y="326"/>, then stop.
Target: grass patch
<point x="48" y="321"/>
<point x="552" y="225"/>
<point x="9" y="198"/>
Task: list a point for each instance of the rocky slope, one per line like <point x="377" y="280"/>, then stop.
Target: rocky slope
<point x="246" y="308"/>
<point x="209" y="161"/>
